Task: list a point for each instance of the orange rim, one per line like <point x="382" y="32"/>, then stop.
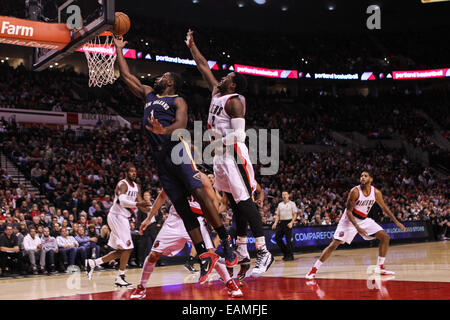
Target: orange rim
<point x="105" y="34"/>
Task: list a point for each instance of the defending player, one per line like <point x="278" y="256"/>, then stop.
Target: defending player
<point x="233" y="169"/>
<point x="172" y="238"/>
<point x="164" y="113"/>
<point x="127" y="196"/>
<point x="355" y="220"/>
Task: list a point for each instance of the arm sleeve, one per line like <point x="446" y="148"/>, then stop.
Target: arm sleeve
<point x="238" y="132"/>
<point x="124" y="202"/>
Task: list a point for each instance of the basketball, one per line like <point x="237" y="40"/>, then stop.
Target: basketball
<point x="121" y="24"/>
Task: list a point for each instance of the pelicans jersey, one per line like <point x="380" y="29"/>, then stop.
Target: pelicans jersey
<point x="346" y="231"/>
<point x="233" y="169"/>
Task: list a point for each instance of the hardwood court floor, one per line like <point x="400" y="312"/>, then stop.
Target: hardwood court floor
<point x="422" y="272"/>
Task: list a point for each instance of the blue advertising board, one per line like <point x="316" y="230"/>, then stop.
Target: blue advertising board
<point x="322" y="235"/>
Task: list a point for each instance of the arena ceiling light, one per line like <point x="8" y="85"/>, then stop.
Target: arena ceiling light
<point x="260" y="2"/>
<point x="240" y="4"/>
<point x="195" y="1"/>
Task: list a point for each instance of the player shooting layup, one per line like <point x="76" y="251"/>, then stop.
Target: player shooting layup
<point x="355" y="220"/>
<point x="233" y="169"/>
<point x="164" y="113"/>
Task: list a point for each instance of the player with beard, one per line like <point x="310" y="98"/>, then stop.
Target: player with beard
<point x="233" y="169"/>
<point x="164" y="112"/>
<point x="355" y="220"/>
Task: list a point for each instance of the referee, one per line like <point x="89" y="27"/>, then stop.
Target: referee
<point x="286" y="214"/>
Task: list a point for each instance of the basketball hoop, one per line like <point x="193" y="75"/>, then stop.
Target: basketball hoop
<point x="100" y="54"/>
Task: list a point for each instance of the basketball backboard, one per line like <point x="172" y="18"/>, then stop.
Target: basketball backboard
<point x="97" y="16"/>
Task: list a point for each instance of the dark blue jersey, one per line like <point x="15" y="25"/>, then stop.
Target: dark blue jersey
<point x="164" y="110"/>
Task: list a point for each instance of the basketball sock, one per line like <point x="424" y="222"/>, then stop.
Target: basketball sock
<point x="222" y="271"/>
<point x="98" y="261"/>
<point x="380" y="261"/>
<point x="241" y="243"/>
<point x="121" y="272"/>
<point x="147" y="270"/>
<point x="249" y="210"/>
<point x="318" y="264"/>
<point x="260" y="243"/>
<point x="200" y="247"/>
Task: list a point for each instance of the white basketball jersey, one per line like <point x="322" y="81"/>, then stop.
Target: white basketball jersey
<point x="131" y="195"/>
<point x="218" y="119"/>
<point x="363" y="204"/>
<point x="195" y="207"/>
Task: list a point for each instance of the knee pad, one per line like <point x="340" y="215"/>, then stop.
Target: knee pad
<point x="184" y="211"/>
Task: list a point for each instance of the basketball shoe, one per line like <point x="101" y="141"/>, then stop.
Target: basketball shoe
<point x="233" y="289"/>
<point x="207" y="262"/>
<point x="121" y="282"/>
<point x="138" y="293"/>
<point x="264" y="260"/>
<point x="189" y="265"/>
<point x="243" y="260"/>
<point x="230" y="257"/>
<point x="90" y="266"/>
<point x="382" y="270"/>
<point x="311" y="274"/>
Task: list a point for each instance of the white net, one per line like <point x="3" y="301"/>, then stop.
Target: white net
<point x="100" y="56"/>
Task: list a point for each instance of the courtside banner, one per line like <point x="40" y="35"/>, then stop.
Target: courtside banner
<point x="108" y="50"/>
<point x="421" y="74"/>
<point x="263" y="72"/>
<point x="322" y="235"/>
<point x="212" y="64"/>
<point x="20" y="32"/>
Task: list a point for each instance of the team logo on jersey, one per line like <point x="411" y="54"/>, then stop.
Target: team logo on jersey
<point x="197" y="176"/>
<point x="156" y="245"/>
<point x="341" y="234"/>
<point x="128" y="243"/>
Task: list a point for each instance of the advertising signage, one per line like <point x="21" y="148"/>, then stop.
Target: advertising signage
<point x="264" y="72"/>
<point x="421" y="74"/>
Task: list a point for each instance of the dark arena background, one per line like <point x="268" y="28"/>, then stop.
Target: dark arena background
<point x="337" y="87"/>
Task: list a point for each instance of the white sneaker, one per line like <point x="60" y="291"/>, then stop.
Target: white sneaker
<point x="264" y="260"/>
<point x="121" y="282"/>
<point x="381" y="270"/>
<point x="90" y="267"/>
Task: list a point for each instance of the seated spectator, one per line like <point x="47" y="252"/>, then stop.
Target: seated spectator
<point x="102" y="242"/>
<point x="56" y="230"/>
<point x="33" y="248"/>
<point x="84" y="245"/>
<point x="93" y="239"/>
<point x="50" y="247"/>
<point x="68" y="247"/>
<point x="10" y="255"/>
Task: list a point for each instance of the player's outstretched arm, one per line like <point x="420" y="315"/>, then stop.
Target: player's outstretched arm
<point x="207" y="186"/>
<point x="351" y="200"/>
<point x="159" y="201"/>
<point x="202" y="64"/>
<point x="379" y="199"/>
<point x="132" y="82"/>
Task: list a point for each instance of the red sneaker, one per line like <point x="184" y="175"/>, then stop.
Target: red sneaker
<point x="311" y="274"/>
<point x="138" y="293"/>
<point x="233" y="289"/>
<point x="207" y="262"/>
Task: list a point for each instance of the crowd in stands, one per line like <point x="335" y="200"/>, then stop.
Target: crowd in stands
<point x="76" y="174"/>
